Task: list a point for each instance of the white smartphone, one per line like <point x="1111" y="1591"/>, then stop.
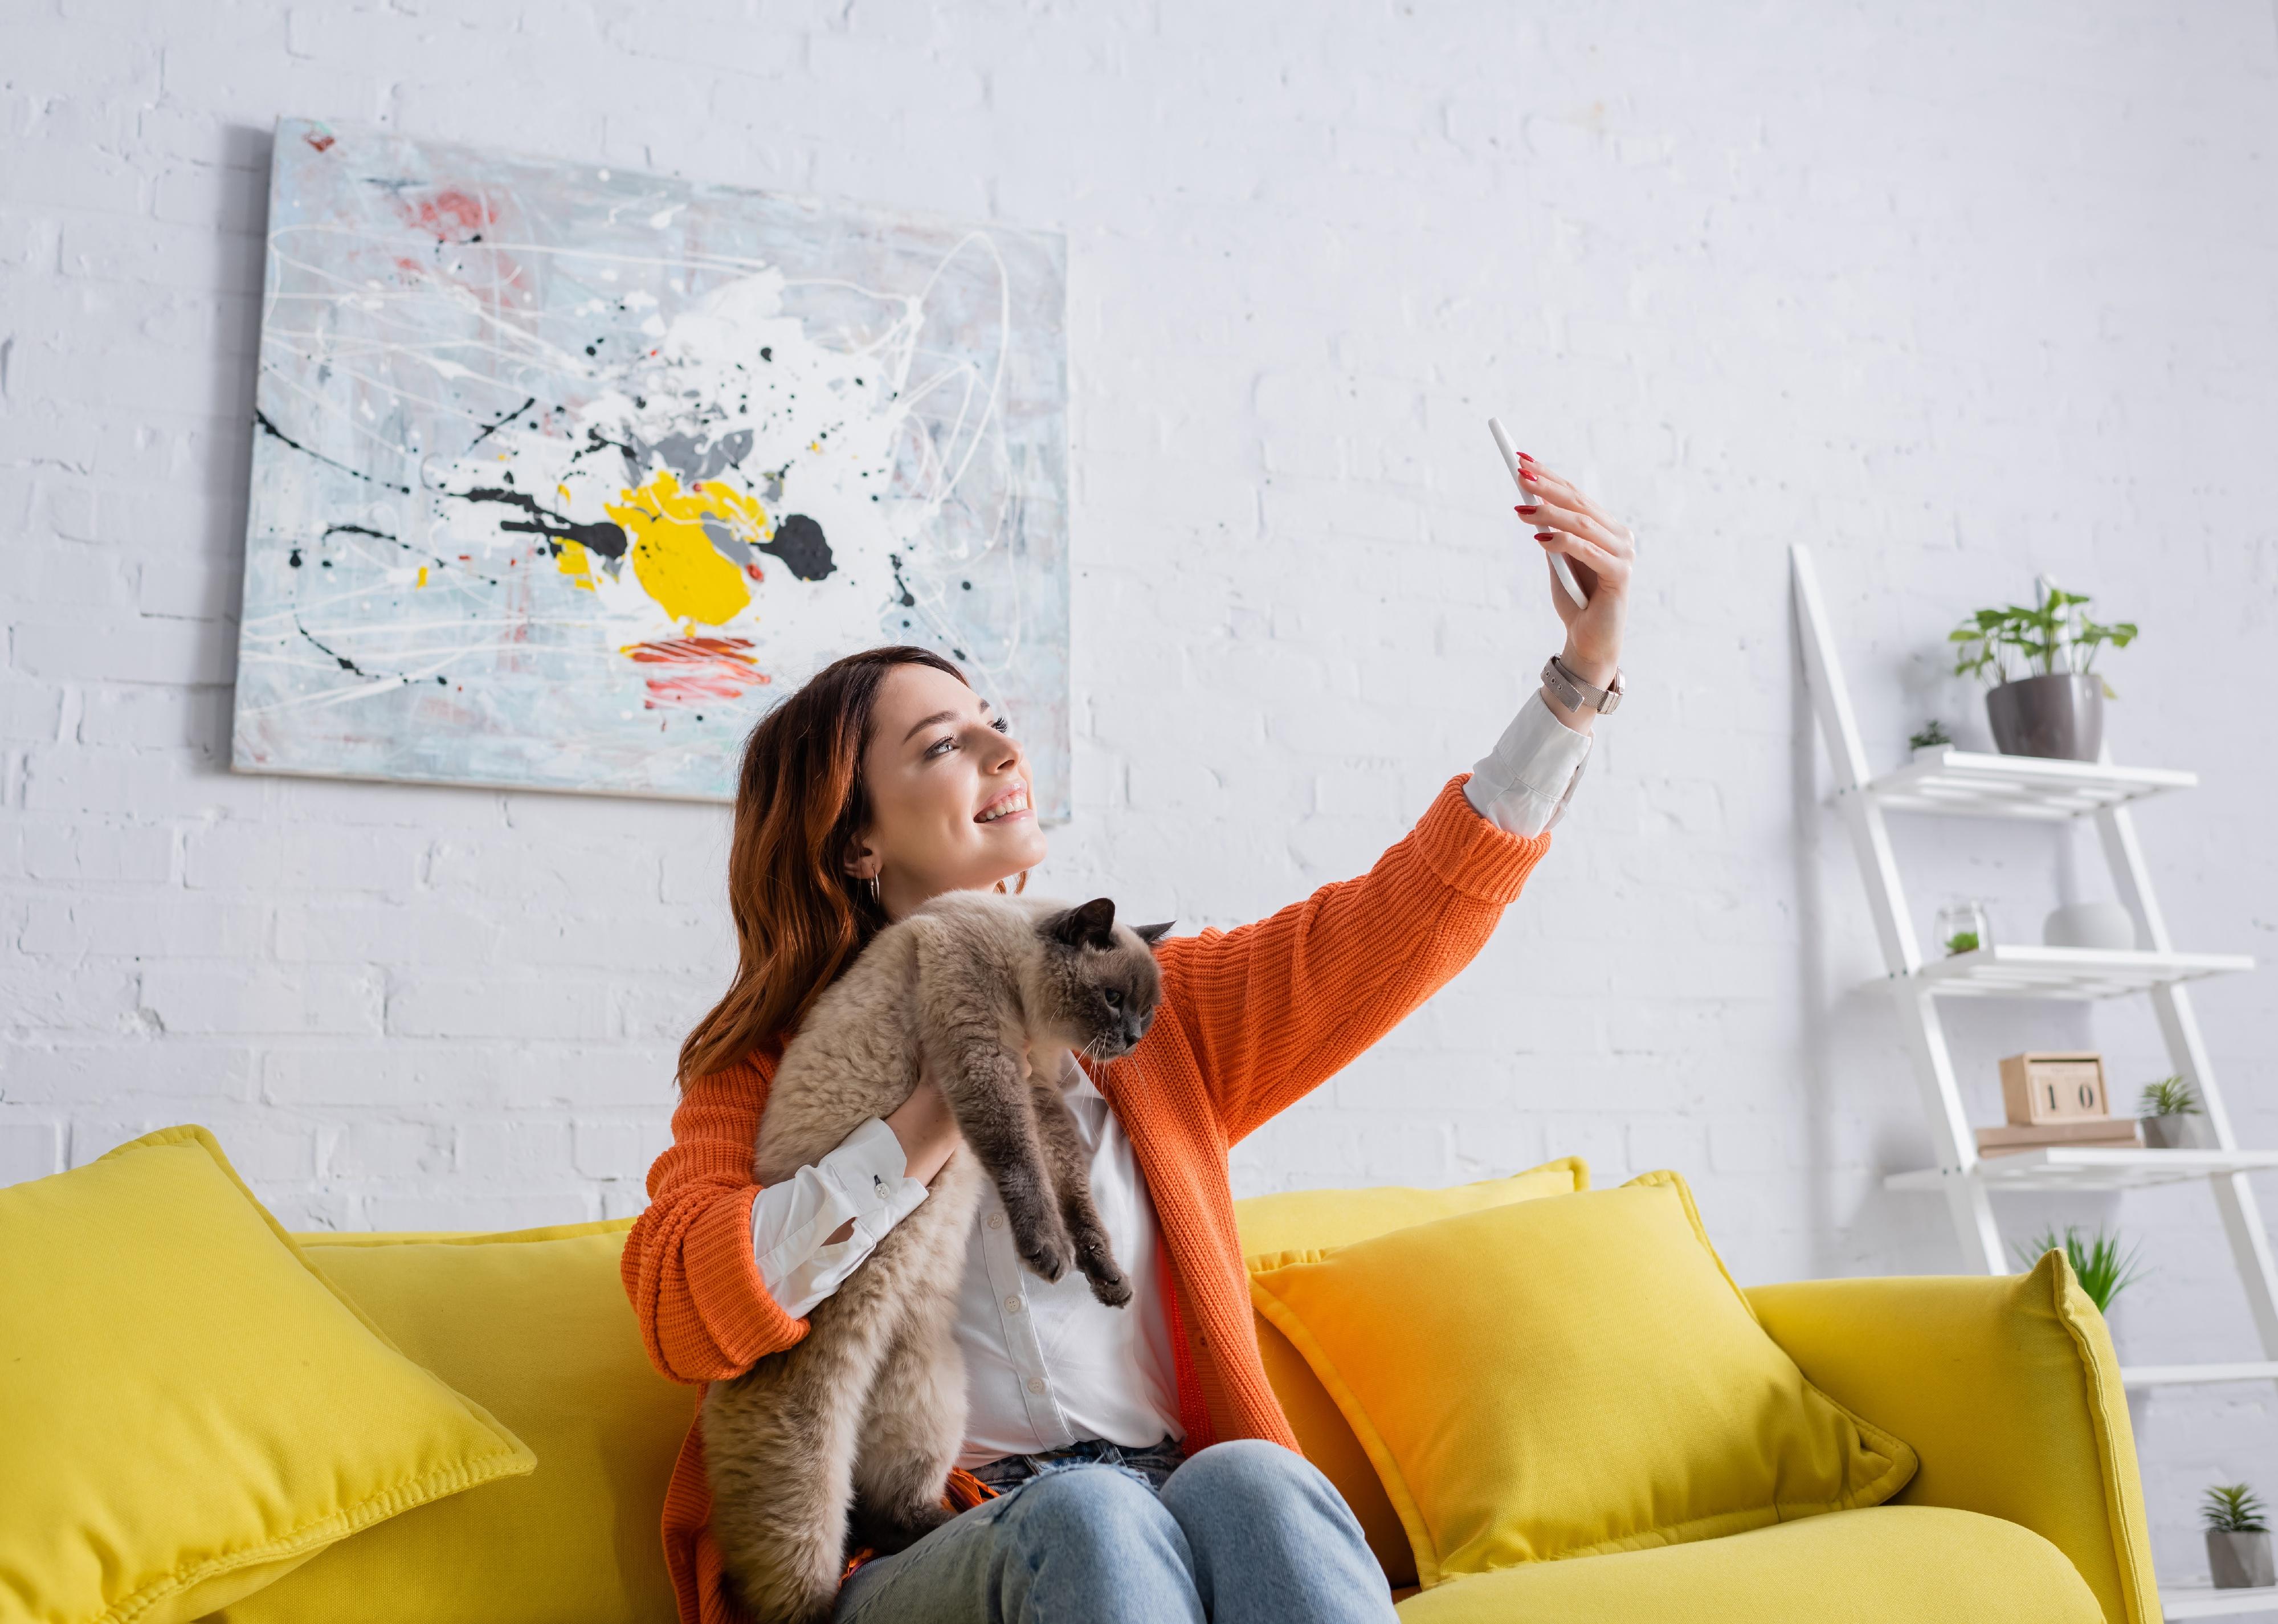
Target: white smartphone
<point x="1558" y="565"/>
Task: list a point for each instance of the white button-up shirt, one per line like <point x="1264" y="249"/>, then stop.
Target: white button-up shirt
<point x="1047" y="1365"/>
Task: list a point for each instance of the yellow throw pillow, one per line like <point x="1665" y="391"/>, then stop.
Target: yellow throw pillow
<point x="535" y="1325"/>
<point x="1303" y="1220"/>
<point x="188" y="1410"/>
<point x="1312" y="1220"/>
<point x="1569" y="1376"/>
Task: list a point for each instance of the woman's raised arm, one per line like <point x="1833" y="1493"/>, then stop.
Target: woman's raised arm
<point x="1273" y="1009"/>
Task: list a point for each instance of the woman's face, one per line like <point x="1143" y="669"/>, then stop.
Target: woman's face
<point x="949" y="793"/>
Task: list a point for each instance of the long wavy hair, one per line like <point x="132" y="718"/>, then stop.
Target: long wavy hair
<point x="800" y="918"/>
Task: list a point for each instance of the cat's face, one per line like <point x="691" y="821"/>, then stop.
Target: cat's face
<point x="1103" y="975"/>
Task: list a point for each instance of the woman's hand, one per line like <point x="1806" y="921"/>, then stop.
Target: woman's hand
<point x="928" y="1133"/>
<point x="1601" y="553"/>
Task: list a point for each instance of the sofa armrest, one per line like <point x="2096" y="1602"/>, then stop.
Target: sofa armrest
<point x="2008" y="1388"/>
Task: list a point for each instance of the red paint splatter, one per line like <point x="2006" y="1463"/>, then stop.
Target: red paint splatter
<point x="451" y="210"/>
<point x="322" y="142"/>
<point x="702" y="668"/>
<point x="754" y="571"/>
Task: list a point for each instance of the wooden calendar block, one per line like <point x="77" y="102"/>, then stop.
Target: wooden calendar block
<point x="2053" y="1088"/>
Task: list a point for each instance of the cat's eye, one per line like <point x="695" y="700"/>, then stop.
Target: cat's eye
<point x="1114" y="999"/>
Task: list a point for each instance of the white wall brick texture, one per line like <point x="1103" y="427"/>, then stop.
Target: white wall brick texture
<point x="1951" y="293"/>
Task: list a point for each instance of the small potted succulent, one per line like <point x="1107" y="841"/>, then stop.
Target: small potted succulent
<point x="2103" y="1270"/>
<point x="1933" y="736"/>
<point x="2167" y="1107"/>
<point x="2237" y="1539"/>
<point x="2045" y="698"/>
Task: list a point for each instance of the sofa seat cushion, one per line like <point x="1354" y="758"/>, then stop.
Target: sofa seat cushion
<point x="1884" y="1564"/>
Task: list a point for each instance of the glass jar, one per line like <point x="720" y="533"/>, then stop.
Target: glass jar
<point x="1962" y="928"/>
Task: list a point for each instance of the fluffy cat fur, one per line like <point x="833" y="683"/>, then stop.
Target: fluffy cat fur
<point x="860" y="1421"/>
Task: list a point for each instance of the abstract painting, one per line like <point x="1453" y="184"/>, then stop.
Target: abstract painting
<point x="564" y="475"/>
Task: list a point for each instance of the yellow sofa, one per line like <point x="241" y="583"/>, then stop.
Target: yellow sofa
<point x="2025" y="1508"/>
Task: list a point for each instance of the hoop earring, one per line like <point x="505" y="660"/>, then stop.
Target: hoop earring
<point x="874" y="893"/>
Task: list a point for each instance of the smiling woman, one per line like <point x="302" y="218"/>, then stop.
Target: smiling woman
<point x="1114" y="1468"/>
<point x="887" y="751"/>
<point x="948" y="792"/>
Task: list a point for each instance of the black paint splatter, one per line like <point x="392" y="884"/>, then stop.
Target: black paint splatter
<point x="799" y="542"/>
<point x="493" y="428"/>
<point x="347" y="664"/>
<point x="605" y="538"/>
<point x="261" y="421"/>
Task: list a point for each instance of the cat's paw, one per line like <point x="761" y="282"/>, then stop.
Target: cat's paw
<point x="1109" y="1283"/>
<point x="1045" y="1253"/>
<point x="1113" y="1288"/>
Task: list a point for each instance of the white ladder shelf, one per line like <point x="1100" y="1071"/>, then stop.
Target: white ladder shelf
<point x="1961" y="783"/>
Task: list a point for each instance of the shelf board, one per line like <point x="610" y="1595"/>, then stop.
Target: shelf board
<point x="2198" y="1375"/>
<point x="2200" y="1601"/>
<point x="2017" y="971"/>
<point x="1968" y="784"/>
<point x="2081" y="1167"/>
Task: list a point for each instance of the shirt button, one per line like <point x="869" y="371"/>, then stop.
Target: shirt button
<point x="1011" y="1304"/>
<point x="996" y="1221"/>
<point x="1035" y="1385"/>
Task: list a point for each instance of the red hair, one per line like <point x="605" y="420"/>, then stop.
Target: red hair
<point x="800" y="918"/>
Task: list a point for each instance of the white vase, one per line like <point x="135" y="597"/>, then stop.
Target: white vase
<point x="2106" y="926"/>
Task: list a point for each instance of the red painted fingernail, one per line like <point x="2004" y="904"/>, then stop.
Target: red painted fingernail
<point x="1545" y="535"/>
<point x="1536" y="508"/>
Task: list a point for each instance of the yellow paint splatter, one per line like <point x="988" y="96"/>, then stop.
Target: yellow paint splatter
<point x="674" y="560"/>
<point x="423" y="577"/>
<point x="574" y="562"/>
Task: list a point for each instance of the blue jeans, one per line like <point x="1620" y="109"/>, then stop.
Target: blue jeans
<point x="1242" y="1533"/>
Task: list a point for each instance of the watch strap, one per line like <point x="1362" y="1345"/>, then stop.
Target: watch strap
<point x="1576" y="695"/>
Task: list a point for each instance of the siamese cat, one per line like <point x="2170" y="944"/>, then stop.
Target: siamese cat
<point x="864" y="1417"/>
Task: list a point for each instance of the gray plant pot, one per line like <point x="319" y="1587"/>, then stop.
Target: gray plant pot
<point x="2240" y="1561"/>
<point x="2060" y="717"/>
<point x="2172" y="1132"/>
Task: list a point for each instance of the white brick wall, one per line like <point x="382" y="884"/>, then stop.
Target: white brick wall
<point x="1951" y="292"/>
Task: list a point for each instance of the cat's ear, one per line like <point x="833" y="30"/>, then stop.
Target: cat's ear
<point x="1094" y="923"/>
<point x="1153" y="933"/>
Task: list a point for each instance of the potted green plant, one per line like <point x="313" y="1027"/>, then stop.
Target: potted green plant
<point x="2044" y="697"/>
<point x="2103" y="1270"/>
<point x="2237" y="1539"/>
<point x="2167" y="1107"/>
<point x="1933" y="736"/>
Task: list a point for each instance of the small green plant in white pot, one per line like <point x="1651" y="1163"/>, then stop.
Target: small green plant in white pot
<point x="2237" y="1538"/>
<point x="2044" y="698"/>
<point x="2167" y="1107"/>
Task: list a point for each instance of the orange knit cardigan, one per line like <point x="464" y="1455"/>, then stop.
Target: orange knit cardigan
<point x="1252" y="1020"/>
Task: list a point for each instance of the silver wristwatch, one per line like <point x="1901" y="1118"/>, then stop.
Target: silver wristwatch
<point x="1576" y="695"/>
